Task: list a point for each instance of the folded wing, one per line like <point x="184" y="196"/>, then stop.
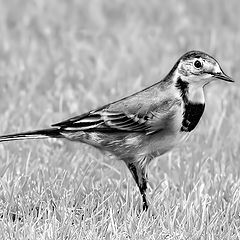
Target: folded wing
<point x="127" y="115"/>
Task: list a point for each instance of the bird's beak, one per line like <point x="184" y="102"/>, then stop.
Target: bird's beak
<point x="221" y="75"/>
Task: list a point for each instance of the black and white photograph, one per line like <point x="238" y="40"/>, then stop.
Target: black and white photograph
<point x="119" y="120"/>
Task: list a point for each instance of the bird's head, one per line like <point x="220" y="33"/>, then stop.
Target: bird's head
<point x="198" y="68"/>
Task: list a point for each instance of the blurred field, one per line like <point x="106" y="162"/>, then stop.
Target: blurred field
<point x="62" y="58"/>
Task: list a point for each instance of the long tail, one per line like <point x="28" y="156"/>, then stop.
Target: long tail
<point x="38" y="134"/>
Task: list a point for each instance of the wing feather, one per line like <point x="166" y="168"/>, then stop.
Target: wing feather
<point x="145" y="112"/>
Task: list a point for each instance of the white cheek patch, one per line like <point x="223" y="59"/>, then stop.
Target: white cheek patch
<point x="207" y="77"/>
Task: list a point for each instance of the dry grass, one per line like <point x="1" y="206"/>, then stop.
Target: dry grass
<point x="61" y="58"/>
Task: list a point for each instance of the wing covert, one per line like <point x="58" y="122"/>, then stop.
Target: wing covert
<point x="104" y="120"/>
<point x="147" y="112"/>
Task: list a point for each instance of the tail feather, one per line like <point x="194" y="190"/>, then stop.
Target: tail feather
<point x="38" y="134"/>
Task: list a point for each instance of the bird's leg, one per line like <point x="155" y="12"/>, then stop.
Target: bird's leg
<point x="140" y="177"/>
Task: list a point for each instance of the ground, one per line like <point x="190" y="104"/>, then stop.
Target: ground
<point x="61" y="58"/>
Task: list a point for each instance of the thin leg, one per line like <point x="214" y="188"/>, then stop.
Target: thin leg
<point x="139" y="175"/>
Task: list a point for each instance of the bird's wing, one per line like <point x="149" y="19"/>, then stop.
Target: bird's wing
<point x="104" y="120"/>
<point x="143" y="112"/>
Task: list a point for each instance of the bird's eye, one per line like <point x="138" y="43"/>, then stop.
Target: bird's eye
<point x="197" y="64"/>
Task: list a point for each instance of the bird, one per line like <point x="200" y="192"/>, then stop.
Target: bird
<point x="147" y="124"/>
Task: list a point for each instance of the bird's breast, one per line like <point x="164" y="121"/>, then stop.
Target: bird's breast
<point x="168" y="136"/>
<point x="178" y="130"/>
<point x="191" y="116"/>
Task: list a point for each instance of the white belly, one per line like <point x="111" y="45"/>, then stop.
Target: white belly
<point x="165" y="144"/>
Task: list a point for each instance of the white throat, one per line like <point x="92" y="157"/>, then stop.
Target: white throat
<point x="196" y="94"/>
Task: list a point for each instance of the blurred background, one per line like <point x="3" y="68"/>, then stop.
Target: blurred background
<point x="61" y="58"/>
<point x="65" y="57"/>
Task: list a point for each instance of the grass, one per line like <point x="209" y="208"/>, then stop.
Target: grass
<point x="62" y="58"/>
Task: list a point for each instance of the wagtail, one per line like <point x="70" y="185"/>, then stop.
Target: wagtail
<point x="146" y="124"/>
